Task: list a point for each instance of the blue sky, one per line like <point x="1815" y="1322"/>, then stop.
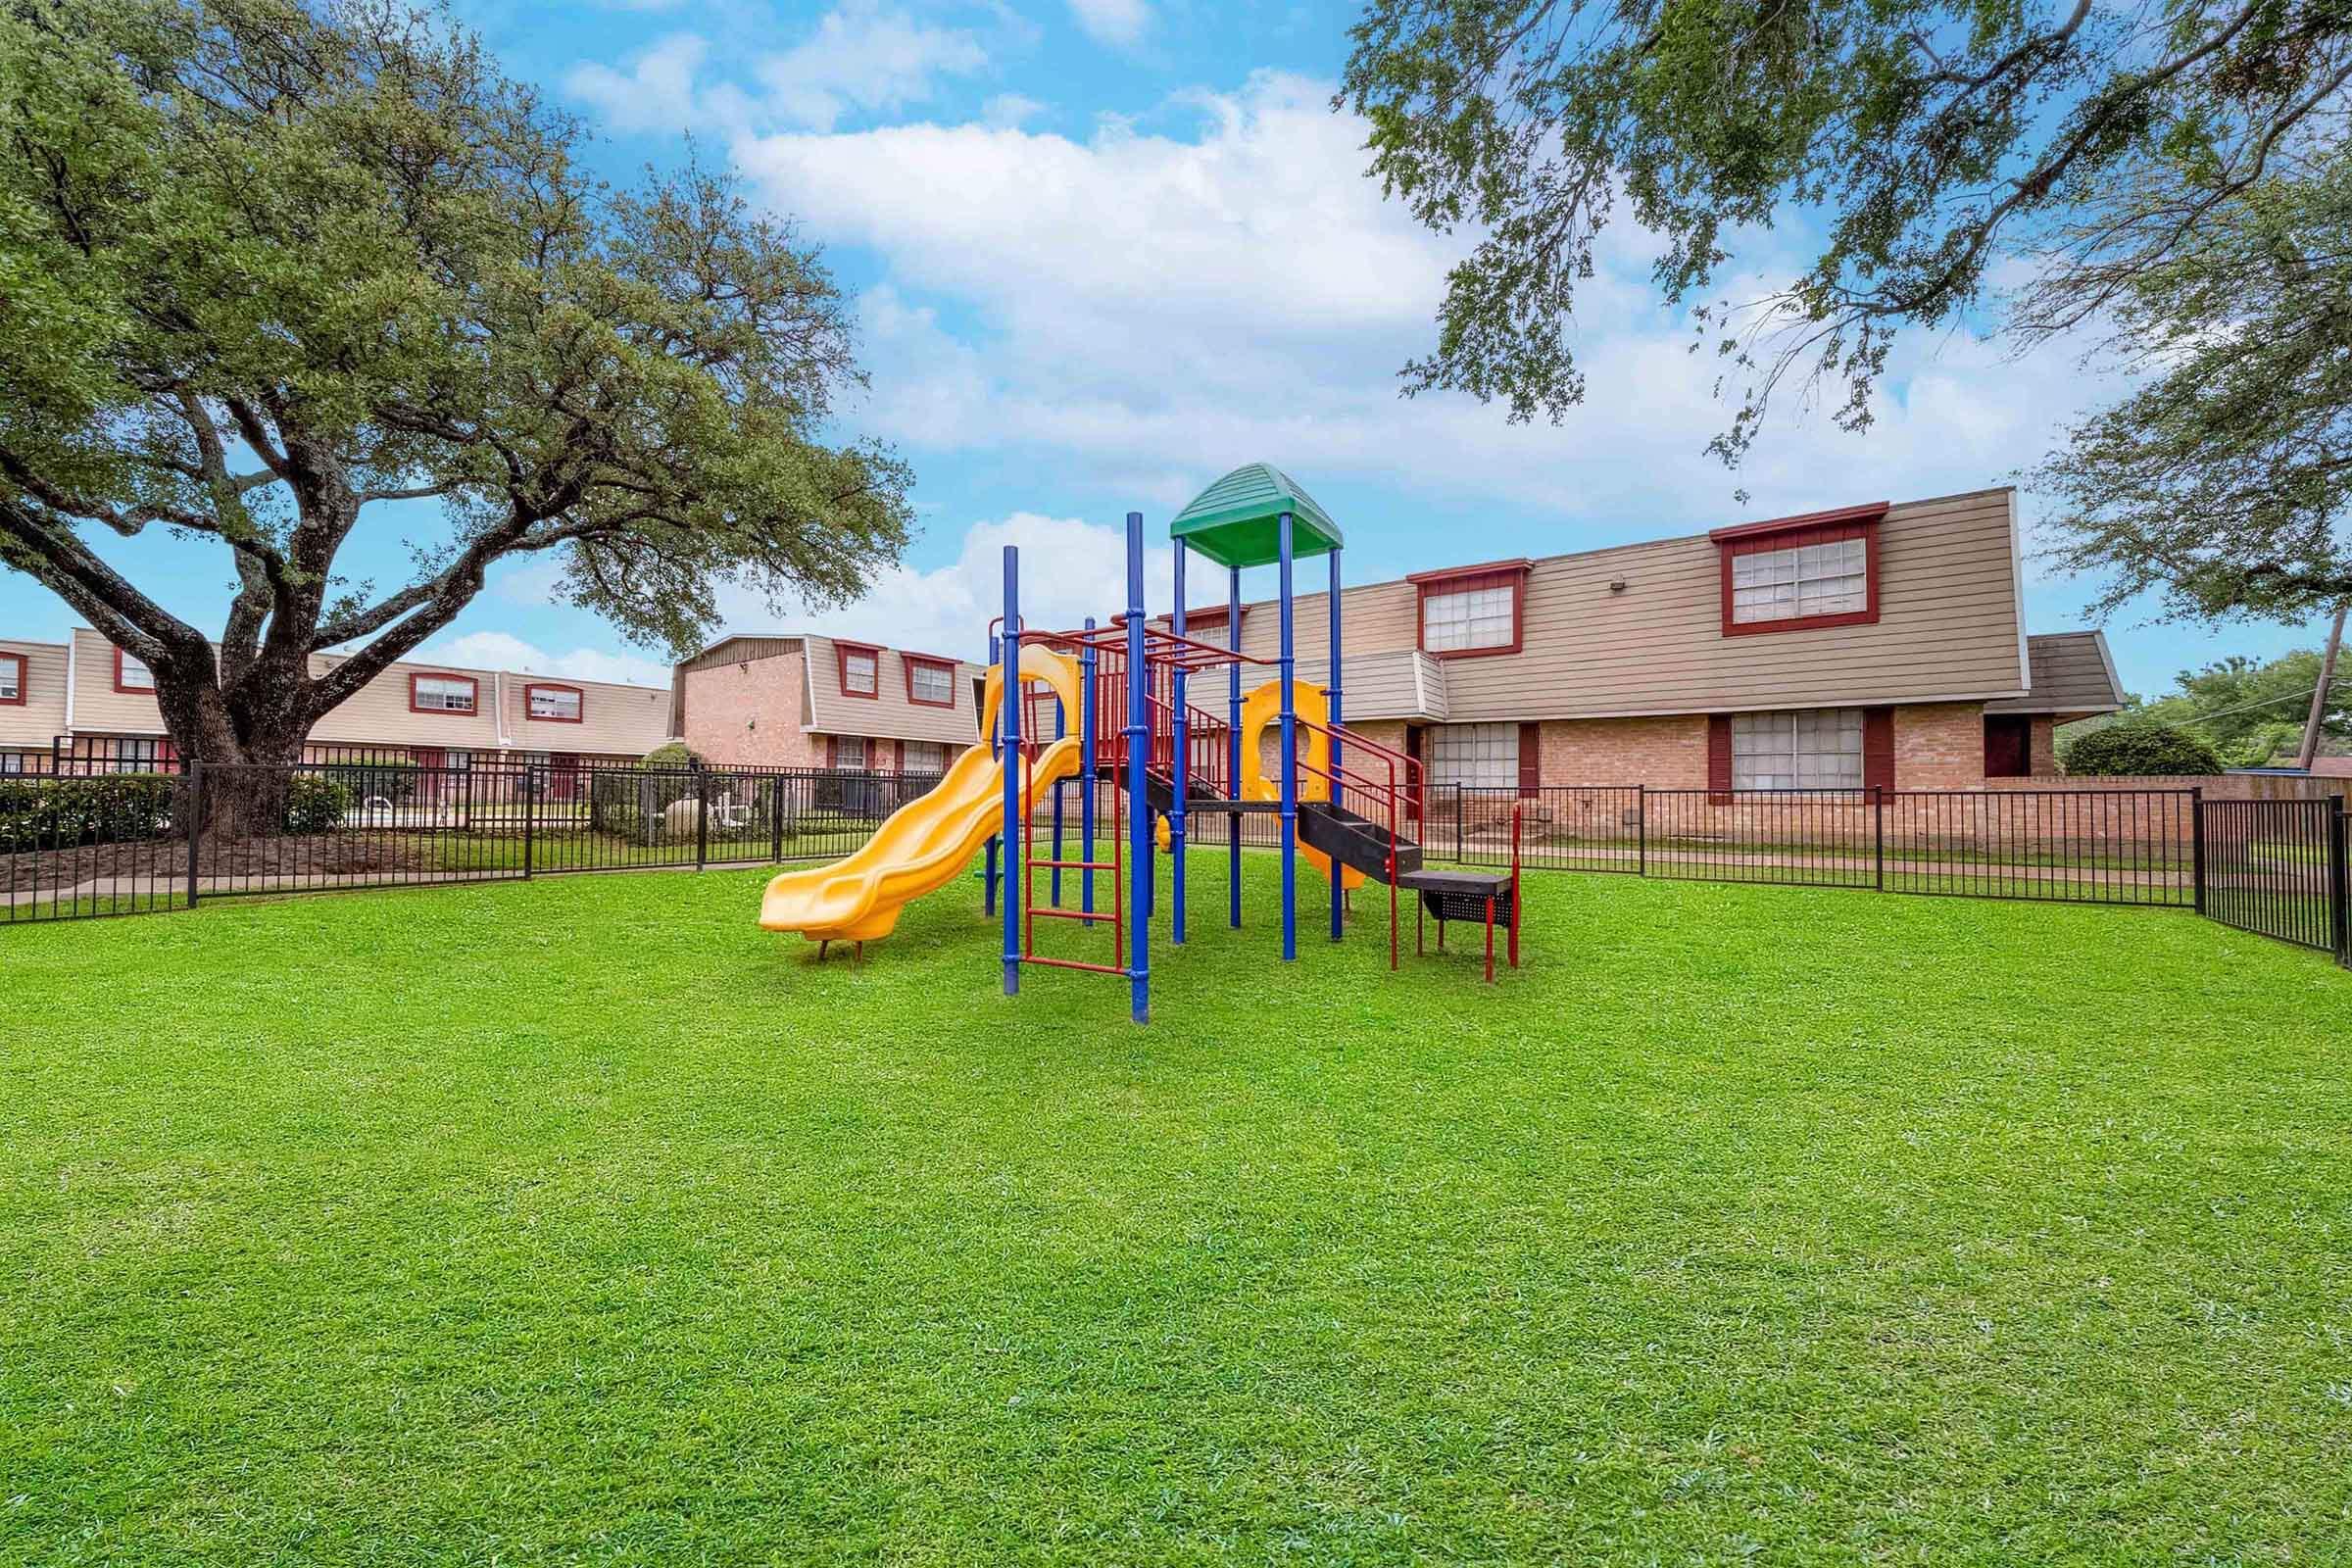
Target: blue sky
<point x="1102" y="251"/>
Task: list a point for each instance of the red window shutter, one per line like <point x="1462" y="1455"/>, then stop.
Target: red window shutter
<point x="1719" y="752"/>
<point x="1878" y="748"/>
<point x="1531" y="761"/>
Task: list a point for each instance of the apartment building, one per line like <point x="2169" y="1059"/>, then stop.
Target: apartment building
<point x="1879" y="644"/>
<point x="799" y="699"/>
<point x="89" y="701"/>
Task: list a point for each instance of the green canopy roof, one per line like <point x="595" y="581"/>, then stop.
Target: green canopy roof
<point x="1235" y="523"/>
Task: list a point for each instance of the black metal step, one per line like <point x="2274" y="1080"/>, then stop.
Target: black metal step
<point x="1162" y="796"/>
<point x="1353" y="840"/>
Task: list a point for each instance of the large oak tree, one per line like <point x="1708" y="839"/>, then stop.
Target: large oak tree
<point x="269" y="271"/>
<point x="2027" y="168"/>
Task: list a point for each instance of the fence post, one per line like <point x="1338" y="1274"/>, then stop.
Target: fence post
<point x="2339" y="882"/>
<point x="776" y="819"/>
<point x="530" y="816"/>
<point x="195" y="822"/>
<point x="1461" y="803"/>
<point x="2196" y="844"/>
<point x="1642" y="831"/>
<point x="701" y="819"/>
<point x="1877" y="834"/>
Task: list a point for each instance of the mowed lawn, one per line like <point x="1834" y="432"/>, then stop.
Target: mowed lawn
<point x="579" y="1222"/>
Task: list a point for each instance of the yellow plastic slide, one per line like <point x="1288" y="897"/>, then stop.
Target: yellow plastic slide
<point x="927" y="841"/>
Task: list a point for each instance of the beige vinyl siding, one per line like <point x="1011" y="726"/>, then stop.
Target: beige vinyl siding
<point x="1399" y="684"/>
<point x="886" y="716"/>
<point x="98" y="708"/>
<point x="2071" y="674"/>
<point x="377" y="714"/>
<point x="41" y="718"/>
<point x="1947" y="628"/>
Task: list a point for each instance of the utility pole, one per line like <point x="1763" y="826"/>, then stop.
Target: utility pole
<point x="2310" y="748"/>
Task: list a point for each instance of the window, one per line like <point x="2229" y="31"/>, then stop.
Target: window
<point x="1801" y="582"/>
<point x="861" y="670"/>
<point x="442" y="693"/>
<point x="1475" y="755"/>
<point x="131" y="674"/>
<point x="142" y="752"/>
<point x="930" y="683"/>
<point x="1820" y="570"/>
<point x="922" y="757"/>
<point x="13" y="763"/>
<point x="1472" y="610"/>
<point x="849" y="752"/>
<point x="1814" y="748"/>
<point x="556" y="704"/>
<point x="12" y="679"/>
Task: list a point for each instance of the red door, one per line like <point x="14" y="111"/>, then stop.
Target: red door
<point x="429" y="761"/>
<point x="2008" y="746"/>
<point x="563" y="776"/>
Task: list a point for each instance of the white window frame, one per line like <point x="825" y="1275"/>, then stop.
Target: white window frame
<point x="1800" y="583"/>
<point x="1474" y="756"/>
<point x="462" y="686"/>
<point x="132" y="673"/>
<point x="144" y="749"/>
<point x="13" y="763"/>
<point x="572" y="693"/>
<point x="934" y="761"/>
<point x="841" y="747"/>
<point x="1462" y="619"/>
<point x="1798" y="748"/>
<point x="850" y="658"/>
<point x="945" y="675"/>
<point x="15" y="674"/>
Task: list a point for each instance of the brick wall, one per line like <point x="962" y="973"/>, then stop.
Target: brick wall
<point x="1940" y="746"/>
<point x="1664" y="753"/>
<point x="2042" y="749"/>
<point x="750" y="714"/>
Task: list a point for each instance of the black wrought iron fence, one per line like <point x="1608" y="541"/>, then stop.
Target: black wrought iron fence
<point x="2277" y="868"/>
<point x="76" y="846"/>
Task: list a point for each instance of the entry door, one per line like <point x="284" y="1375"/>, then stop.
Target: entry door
<point x="429" y="759"/>
<point x="2008" y="746"/>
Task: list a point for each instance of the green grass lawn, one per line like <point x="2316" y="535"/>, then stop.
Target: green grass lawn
<point x="579" y="1221"/>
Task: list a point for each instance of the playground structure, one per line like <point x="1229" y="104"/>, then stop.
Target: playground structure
<point x="1343" y="803"/>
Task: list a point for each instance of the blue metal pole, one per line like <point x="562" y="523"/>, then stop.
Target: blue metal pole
<point x="1087" y="720"/>
<point x="1290" y="760"/>
<point x="1138" y="815"/>
<point x="1182" y="743"/>
<point x="1338" y="898"/>
<point x="1233" y="737"/>
<point x="1010" y="725"/>
<point x="996" y="748"/>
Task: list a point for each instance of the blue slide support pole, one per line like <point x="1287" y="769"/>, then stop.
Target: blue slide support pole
<point x="1290" y="760"/>
<point x="1233" y="741"/>
<point x="1181" y="740"/>
<point x="1139" y="817"/>
<point x="995" y="746"/>
<point x="1088" y="719"/>
<point x="1338" y="898"/>
<point x="1010" y="726"/>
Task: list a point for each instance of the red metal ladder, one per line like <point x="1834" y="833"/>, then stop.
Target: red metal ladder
<point x="1116" y="919"/>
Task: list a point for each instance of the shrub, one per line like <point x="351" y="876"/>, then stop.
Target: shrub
<point x="393" y="780"/>
<point x="676" y="753"/>
<point x="44" y="813"/>
<point x="2138" y="751"/>
<point x="316" y="803"/>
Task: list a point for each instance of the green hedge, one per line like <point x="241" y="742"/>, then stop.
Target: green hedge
<point x="316" y="804"/>
<point x="48" y="812"/>
<point x="2138" y="751"/>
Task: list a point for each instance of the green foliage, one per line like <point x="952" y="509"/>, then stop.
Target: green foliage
<point x="674" y="754"/>
<point x="316" y="804"/>
<point x="2138" y="751"/>
<point x="2250" y="712"/>
<point x="43" y="811"/>
<point x="393" y="780"/>
<point x="1929" y="143"/>
<point x="333" y="243"/>
<point x="2222" y="480"/>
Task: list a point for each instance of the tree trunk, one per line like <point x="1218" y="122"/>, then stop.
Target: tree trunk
<point x="247" y="765"/>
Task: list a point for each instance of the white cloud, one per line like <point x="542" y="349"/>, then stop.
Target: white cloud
<point x="1009" y="109"/>
<point x="1155" y="308"/>
<point x="1121" y="23"/>
<point x="862" y="57"/>
<point x="498" y="650"/>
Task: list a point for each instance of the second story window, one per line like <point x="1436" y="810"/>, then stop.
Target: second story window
<point x="12" y="678"/>
<point x="1798" y="574"/>
<point x="860" y="671"/>
<point x="131" y="674"/>
<point x="443" y="693"/>
<point x="1471" y="611"/>
<point x="558" y="704"/>
<point x="931" y="684"/>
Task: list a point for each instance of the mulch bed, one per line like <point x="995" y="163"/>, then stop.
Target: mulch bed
<point x="165" y="862"/>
